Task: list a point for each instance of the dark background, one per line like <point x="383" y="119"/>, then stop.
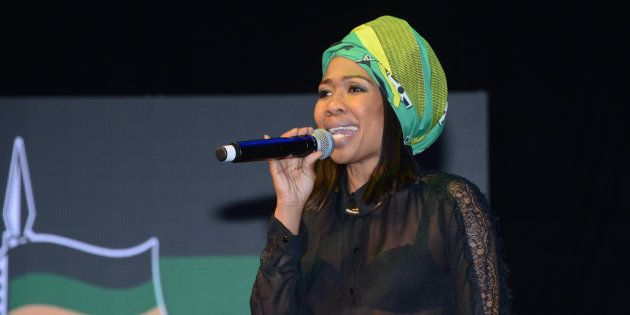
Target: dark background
<point x="556" y="75"/>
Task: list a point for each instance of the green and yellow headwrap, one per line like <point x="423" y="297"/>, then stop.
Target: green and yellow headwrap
<point x="407" y="71"/>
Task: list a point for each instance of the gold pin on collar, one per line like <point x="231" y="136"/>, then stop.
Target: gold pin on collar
<point x="352" y="209"/>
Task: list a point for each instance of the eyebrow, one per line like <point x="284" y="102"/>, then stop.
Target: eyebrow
<point x="346" y="77"/>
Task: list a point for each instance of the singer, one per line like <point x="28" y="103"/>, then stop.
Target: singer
<point x="367" y="231"/>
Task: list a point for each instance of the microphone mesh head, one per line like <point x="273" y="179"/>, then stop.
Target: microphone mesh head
<point x="325" y="142"/>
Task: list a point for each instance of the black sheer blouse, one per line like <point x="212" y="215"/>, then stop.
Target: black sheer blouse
<point x="430" y="248"/>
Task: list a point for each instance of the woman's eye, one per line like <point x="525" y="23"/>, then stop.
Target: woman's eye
<point x="324" y="93"/>
<point x="356" y="88"/>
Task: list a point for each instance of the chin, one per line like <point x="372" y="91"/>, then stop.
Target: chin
<point x="340" y="157"/>
<point x="337" y="159"/>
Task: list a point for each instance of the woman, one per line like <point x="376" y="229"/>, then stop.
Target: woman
<point x="366" y="231"/>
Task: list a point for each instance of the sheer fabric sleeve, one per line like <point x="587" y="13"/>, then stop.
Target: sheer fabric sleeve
<point x="474" y="251"/>
<point x="277" y="288"/>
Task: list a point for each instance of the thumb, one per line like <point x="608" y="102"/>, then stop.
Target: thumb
<point x="309" y="160"/>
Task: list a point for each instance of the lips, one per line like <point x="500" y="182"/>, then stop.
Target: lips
<point x="342" y="133"/>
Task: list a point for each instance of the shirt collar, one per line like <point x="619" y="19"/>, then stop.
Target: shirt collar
<point x="352" y="203"/>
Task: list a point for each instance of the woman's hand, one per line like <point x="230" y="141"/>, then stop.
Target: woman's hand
<point x="293" y="180"/>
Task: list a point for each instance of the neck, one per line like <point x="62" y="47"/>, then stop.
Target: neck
<point x="359" y="173"/>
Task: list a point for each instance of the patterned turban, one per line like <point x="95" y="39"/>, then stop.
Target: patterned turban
<point x="407" y="72"/>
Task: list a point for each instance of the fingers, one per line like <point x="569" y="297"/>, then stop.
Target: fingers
<point x="298" y="132"/>
<point x="280" y="165"/>
<point x="305" y="131"/>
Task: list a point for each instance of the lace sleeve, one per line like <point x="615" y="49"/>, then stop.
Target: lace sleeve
<point x="475" y="250"/>
<point x="277" y="288"/>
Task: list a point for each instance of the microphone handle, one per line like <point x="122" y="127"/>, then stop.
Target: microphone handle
<point x="264" y="149"/>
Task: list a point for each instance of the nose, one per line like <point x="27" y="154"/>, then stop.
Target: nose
<point x="335" y="106"/>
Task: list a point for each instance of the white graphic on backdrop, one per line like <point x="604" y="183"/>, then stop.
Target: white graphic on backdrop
<point x="13" y="236"/>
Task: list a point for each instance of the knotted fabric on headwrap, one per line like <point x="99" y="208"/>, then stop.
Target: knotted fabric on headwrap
<point x="407" y="71"/>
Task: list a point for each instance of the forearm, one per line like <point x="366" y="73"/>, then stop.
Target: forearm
<point x="279" y="282"/>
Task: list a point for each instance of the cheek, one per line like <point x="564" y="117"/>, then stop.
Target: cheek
<point x="377" y="120"/>
<point x="375" y="116"/>
<point x="318" y="115"/>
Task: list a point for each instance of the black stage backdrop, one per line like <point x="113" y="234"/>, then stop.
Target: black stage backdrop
<point x="556" y="76"/>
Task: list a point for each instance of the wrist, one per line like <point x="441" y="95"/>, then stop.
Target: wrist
<point x="290" y="205"/>
<point x="290" y="217"/>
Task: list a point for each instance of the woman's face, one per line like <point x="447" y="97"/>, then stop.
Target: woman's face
<point x="350" y="107"/>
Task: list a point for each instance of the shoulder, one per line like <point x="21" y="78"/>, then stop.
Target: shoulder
<point x="465" y="198"/>
<point x="454" y="186"/>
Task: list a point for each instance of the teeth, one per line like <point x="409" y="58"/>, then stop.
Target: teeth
<point x="337" y="129"/>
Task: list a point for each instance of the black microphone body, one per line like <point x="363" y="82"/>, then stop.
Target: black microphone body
<point x="275" y="148"/>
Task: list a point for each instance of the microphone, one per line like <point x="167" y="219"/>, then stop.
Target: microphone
<point x="274" y="148"/>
